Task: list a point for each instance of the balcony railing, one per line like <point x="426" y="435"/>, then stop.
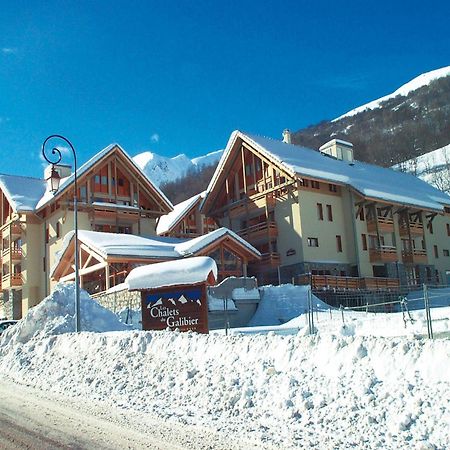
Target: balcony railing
<point x="15" y="253"/>
<point x="241" y="207"/>
<point x="259" y="230"/>
<point x="15" y="228"/>
<point x="347" y="283"/>
<point x="383" y="254"/>
<point x="385" y="224"/>
<point x="11" y="281"/>
<point x="269" y="259"/>
<point x="415" y="256"/>
<point x="415" y="228"/>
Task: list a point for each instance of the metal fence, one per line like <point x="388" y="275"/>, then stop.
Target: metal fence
<point x="404" y="300"/>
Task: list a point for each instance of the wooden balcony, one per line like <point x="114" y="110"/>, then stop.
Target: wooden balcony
<point x="12" y="281"/>
<point x="415" y="228"/>
<point x="353" y="283"/>
<point x="268" y="260"/>
<point x="260" y="231"/>
<point x="385" y="225"/>
<point x="243" y="207"/>
<point x="383" y="254"/>
<point x="415" y="256"/>
<point x="16" y="230"/>
<point x="15" y="254"/>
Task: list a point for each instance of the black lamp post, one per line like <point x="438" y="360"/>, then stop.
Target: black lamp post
<point x="55" y="179"/>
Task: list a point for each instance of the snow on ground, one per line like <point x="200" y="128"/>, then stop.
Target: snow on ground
<point x="328" y="391"/>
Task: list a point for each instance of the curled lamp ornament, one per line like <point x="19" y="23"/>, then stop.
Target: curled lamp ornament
<point x="55" y="150"/>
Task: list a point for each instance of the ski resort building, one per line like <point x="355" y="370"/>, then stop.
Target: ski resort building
<point x="118" y="207"/>
<point x="186" y="220"/>
<point x="344" y="222"/>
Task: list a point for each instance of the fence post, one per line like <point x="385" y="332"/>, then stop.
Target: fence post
<point x="342" y="313"/>
<point x="427" y="311"/>
<point x="311" y="312"/>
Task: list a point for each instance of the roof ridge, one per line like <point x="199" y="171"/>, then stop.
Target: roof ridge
<point x="21" y="176"/>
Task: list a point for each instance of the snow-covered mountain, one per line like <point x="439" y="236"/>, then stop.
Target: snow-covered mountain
<point x="416" y="83"/>
<point x="161" y="169"/>
<point x="411" y="121"/>
<point x="432" y="167"/>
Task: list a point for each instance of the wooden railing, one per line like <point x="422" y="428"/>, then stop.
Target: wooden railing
<point x="385" y="224"/>
<point x="383" y="254"/>
<point x="415" y="228"/>
<point x="13" y="280"/>
<point x="414" y="256"/>
<point x="269" y="228"/>
<point x="269" y="259"/>
<point x="16" y="253"/>
<point x="348" y="283"/>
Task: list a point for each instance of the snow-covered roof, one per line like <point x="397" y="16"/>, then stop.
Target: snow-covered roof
<point x="168" y="221"/>
<point x="195" y="245"/>
<point x="66" y="182"/>
<point x="186" y="271"/>
<point x="23" y="193"/>
<point x="152" y="248"/>
<point x="370" y="181"/>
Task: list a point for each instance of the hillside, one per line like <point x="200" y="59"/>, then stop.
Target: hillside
<point x="432" y="167"/>
<point x="413" y="120"/>
<point x="162" y="170"/>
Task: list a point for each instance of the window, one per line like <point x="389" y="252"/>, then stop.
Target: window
<point x="361" y="214"/>
<point x="339" y="244"/>
<point x="332" y="188"/>
<point x="83" y="194"/>
<point x="248" y="169"/>
<point x="329" y="213"/>
<point x="430" y="227"/>
<point x="448" y="229"/>
<point x="446" y="252"/>
<point x="97" y="179"/>
<point x="319" y="211"/>
<point x="313" y="242"/>
<point x="303" y="182"/>
<point x="47" y="235"/>
<point x="315" y="184"/>
<point x="104" y="180"/>
<point x="364" y="241"/>
<point x="58" y="229"/>
<point x="436" y="251"/>
<point x="121" y="182"/>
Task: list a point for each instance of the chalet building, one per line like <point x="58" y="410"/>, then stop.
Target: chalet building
<point x="107" y="258"/>
<point x="114" y="197"/>
<point x="186" y="220"/>
<point x="324" y="213"/>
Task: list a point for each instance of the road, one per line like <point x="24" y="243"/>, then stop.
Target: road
<point x="31" y="419"/>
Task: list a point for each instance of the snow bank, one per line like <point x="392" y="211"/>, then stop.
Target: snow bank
<point x="55" y="315"/>
<point x="305" y="392"/>
<point x="172" y="273"/>
<point x="279" y="304"/>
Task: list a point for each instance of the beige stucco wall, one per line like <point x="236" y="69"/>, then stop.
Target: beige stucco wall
<point x="440" y="238"/>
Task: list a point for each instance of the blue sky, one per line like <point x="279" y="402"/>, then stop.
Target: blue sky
<point x="178" y="77"/>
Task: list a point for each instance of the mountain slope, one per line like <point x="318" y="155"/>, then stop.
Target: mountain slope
<point x="413" y="120"/>
<point x="162" y="170"/>
<point x="432" y="167"/>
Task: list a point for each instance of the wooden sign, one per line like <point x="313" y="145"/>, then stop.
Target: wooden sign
<point x="184" y="308"/>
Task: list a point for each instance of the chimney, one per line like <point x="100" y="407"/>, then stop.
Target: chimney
<point x="64" y="170"/>
<point x="338" y="149"/>
<point x="286" y="136"/>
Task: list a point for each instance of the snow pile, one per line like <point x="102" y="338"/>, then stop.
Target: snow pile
<point x="418" y="82"/>
<point x="187" y="271"/>
<point x="279" y="304"/>
<point x="55" y="315"/>
<point x="294" y="392"/>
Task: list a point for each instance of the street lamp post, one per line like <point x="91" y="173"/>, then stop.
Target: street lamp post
<point x="54" y="183"/>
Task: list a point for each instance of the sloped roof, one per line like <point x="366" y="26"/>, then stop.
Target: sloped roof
<point x="156" y="248"/>
<point x="23" y="193"/>
<point x="192" y="246"/>
<point x="66" y="182"/>
<point x="168" y="221"/>
<point x="369" y="180"/>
